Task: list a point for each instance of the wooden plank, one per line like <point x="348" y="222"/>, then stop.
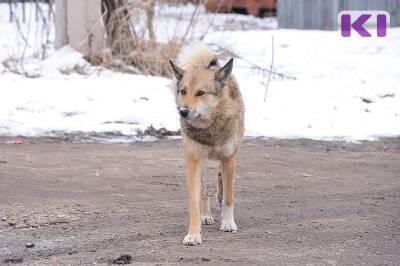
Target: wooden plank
<point x="308" y="14"/>
<point x="280" y="14"/>
<point x="316" y="18"/>
<point x="322" y="14"/>
<point x="393" y="7"/>
<point x="282" y="10"/>
<point x="10" y="10"/>
<point x="293" y="16"/>
<point x="333" y="14"/>
<point x="300" y="16"/>
<point x="290" y="20"/>
<point x="396" y="20"/>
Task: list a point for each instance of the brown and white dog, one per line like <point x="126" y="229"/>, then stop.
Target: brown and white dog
<point x="212" y="124"/>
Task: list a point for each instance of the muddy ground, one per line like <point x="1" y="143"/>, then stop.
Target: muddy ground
<point x="297" y="202"/>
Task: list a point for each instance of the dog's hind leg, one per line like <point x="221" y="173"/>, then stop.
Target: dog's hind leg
<point x="220" y="187"/>
<point x="205" y="211"/>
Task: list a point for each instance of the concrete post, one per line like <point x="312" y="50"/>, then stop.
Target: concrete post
<point x="84" y="28"/>
<point x="61" y="24"/>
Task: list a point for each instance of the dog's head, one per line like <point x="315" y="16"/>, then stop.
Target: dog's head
<point x="199" y="90"/>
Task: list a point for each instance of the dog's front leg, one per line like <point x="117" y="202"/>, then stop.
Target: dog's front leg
<point x="193" y="175"/>
<point x="228" y="172"/>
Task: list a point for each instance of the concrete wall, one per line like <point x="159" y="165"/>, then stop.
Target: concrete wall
<point x="80" y="24"/>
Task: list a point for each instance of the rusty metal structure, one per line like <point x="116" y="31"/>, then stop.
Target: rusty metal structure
<point x="251" y="7"/>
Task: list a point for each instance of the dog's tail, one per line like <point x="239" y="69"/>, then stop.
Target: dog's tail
<point x="196" y="55"/>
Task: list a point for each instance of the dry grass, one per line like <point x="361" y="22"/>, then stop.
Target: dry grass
<point x="134" y="48"/>
<point x="76" y="69"/>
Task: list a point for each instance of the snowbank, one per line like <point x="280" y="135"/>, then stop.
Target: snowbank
<point x="116" y="103"/>
<point x="344" y="88"/>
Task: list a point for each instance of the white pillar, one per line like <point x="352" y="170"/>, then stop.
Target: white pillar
<point x="80" y="24"/>
<point x="61" y="24"/>
<point x="86" y="31"/>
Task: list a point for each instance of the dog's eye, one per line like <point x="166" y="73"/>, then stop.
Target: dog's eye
<point x="183" y="92"/>
<point x="200" y="93"/>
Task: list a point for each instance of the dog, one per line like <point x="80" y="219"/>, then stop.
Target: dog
<point x="211" y="113"/>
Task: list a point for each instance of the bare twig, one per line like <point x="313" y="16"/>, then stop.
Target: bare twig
<point x="16" y="63"/>
<point x="45" y="31"/>
<point x="24" y="38"/>
<point x="211" y="23"/>
<point x="149" y="8"/>
<point x="178" y="21"/>
<point x="18" y="24"/>
<point x="10" y="10"/>
<point x="252" y="64"/>
<point x="271" y="67"/>
<point x="193" y="20"/>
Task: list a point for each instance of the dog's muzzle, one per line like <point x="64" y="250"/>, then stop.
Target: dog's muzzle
<point x="184" y="112"/>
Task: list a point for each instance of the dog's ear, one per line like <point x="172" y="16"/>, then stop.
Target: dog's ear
<point x="223" y="74"/>
<point x="178" y="72"/>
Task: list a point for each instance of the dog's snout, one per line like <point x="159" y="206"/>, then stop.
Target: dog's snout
<point x="184" y="112"/>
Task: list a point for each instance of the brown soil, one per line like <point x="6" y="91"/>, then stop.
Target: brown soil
<point x="297" y="202"/>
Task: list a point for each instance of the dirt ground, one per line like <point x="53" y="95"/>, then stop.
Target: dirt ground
<point x="297" y="202"/>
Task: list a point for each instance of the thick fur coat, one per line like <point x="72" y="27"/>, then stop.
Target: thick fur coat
<point x="212" y="125"/>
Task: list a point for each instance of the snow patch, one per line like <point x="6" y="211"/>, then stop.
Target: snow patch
<point x="345" y="89"/>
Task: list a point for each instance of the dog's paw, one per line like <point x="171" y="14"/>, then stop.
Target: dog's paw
<point x="192" y="240"/>
<point x="228" y="226"/>
<point x="208" y="219"/>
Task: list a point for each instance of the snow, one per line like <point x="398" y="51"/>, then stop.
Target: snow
<point x="344" y="89"/>
<point x="333" y="74"/>
<point x="118" y="103"/>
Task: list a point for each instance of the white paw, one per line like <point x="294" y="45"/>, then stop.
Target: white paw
<point x="227" y="221"/>
<point x="208" y="219"/>
<point x="192" y="240"/>
<point x="228" y="226"/>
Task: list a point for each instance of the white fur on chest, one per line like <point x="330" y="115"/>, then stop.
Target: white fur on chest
<point x="225" y="150"/>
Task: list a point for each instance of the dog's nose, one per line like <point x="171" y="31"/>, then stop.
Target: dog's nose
<point x="184" y="112"/>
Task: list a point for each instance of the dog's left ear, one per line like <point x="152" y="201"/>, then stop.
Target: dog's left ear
<point x="223" y="74"/>
<point x="178" y="72"/>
